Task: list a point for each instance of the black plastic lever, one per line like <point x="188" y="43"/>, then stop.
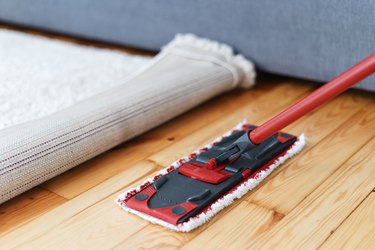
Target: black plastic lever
<point x="233" y="151"/>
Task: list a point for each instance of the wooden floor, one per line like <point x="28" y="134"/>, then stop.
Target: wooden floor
<point x="322" y="198"/>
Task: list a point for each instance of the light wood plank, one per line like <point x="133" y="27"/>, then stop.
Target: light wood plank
<point x="26" y="207"/>
<point x="311" y="222"/>
<point x="305" y="173"/>
<point x="358" y="231"/>
<point x="155" y="238"/>
<point x="209" y="236"/>
<point x="236" y="228"/>
<point x="166" y="239"/>
<point x="100" y="226"/>
<point x="93" y="172"/>
<point x="323" y="121"/>
<point x="45" y="223"/>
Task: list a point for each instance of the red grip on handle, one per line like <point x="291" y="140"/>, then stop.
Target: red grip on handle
<point x="328" y="91"/>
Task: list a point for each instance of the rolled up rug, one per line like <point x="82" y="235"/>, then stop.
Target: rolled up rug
<point x="188" y="71"/>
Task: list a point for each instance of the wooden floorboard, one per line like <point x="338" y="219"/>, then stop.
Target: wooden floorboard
<point x="245" y="213"/>
<point x="323" y="197"/>
<point x="311" y="222"/>
<point x="25" y="207"/>
<point x="357" y="231"/>
<point x="37" y="228"/>
<point x="306" y="172"/>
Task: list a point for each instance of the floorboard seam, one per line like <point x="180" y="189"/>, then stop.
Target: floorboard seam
<point x="343" y="221"/>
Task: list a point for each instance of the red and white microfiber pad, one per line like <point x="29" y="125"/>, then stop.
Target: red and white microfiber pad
<point x="224" y="201"/>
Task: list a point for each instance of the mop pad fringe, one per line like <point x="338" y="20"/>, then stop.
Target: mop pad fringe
<point x="221" y="203"/>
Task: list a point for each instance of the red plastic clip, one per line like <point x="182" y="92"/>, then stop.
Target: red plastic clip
<point x="209" y="172"/>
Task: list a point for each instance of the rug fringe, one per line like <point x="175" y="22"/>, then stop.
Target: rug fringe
<point x="246" y="67"/>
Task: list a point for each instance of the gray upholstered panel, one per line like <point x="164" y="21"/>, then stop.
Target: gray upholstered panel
<point x="310" y="39"/>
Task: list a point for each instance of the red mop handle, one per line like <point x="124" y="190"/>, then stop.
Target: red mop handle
<point x="328" y="91"/>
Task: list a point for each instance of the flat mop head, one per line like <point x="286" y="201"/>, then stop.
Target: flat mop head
<point x="193" y="189"/>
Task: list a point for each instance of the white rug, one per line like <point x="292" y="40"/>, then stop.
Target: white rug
<point x="39" y="76"/>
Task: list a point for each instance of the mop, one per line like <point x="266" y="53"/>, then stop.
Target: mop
<point x="195" y="188"/>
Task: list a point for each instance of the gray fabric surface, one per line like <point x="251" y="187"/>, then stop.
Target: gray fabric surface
<point x="186" y="73"/>
<point x="309" y="39"/>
